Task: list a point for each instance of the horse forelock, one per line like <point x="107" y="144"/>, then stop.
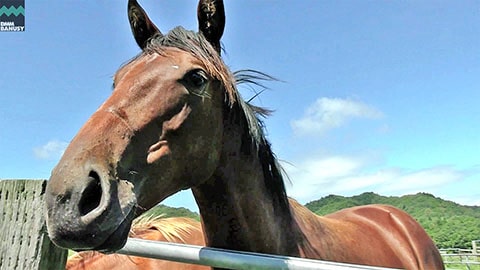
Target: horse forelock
<point x="197" y="45"/>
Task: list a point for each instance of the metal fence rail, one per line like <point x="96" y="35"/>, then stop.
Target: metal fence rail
<point x="227" y="258"/>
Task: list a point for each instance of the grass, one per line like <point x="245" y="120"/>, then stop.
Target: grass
<point x="461" y="267"/>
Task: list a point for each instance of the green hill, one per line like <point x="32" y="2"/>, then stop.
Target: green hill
<point x="168" y="211"/>
<point x="448" y="223"/>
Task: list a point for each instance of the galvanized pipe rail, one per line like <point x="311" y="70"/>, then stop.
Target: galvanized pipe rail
<point x="229" y="259"/>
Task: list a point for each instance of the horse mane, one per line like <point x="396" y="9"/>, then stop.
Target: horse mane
<point x="254" y="138"/>
<point x="173" y="229"/>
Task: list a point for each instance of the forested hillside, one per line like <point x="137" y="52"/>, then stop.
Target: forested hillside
<point x="168" y="211"/>
<point x="448" y="223"/>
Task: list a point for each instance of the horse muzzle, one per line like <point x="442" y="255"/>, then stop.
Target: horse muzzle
<point x="88" y="209"/>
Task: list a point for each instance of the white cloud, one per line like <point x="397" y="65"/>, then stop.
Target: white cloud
<point x="314" y="176"/>
<point x="343" y="175"/>
<point x="425" y="179"/>
<point x="51" y="150"/>
<point x="329" y="113"/>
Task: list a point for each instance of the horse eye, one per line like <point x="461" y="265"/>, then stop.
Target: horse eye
<point x="196" y="78"/>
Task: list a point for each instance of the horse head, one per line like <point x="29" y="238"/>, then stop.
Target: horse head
<point x="158" y="133"/>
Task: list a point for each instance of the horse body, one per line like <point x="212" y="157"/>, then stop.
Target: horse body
<point x="177" y="230"/>
<point x="379" y="235"/>
<point x="175" y="120"/>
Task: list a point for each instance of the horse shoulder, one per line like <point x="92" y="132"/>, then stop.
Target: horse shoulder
<point x="372" y="235"/>
<point x="399" y="231"/>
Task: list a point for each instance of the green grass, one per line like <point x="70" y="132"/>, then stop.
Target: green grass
<point x="461" y="267"/>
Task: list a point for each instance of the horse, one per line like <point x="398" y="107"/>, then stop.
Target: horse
<point x="175" y="229"/>
<point x="176" y="120"/>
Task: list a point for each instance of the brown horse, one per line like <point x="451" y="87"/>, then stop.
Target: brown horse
<point x="178" y="230"/>
<point x="174" y="121"/>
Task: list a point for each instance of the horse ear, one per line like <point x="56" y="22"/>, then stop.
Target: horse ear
<point x="211" y="21"/>
<point x="142" y="27"/>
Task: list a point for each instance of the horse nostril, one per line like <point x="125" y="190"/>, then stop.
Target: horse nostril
<point x="91" y="195"/>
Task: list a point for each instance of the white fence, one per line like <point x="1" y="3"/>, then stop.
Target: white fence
<point x="227" y="258"/>
<point x="467" y="257"/>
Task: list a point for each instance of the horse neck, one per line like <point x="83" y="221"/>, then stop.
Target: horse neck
<point x="238" y="208"/>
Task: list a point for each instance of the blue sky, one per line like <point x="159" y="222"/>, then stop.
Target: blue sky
<point x="378" y="96"/>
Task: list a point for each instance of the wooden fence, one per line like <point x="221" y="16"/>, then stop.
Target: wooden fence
<point x="24" y="243"/>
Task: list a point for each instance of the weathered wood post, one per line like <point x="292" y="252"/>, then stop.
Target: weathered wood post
<point x="23" y="236"/>
<point x="474" y="246"/>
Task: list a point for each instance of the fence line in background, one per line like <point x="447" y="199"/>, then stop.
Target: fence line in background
<point x="474" y="246"/>
<point x="467" y="257"/>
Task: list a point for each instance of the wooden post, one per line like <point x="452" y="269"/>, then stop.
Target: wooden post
<point x="474" y="246"/>
<point x="24" y="243"/>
